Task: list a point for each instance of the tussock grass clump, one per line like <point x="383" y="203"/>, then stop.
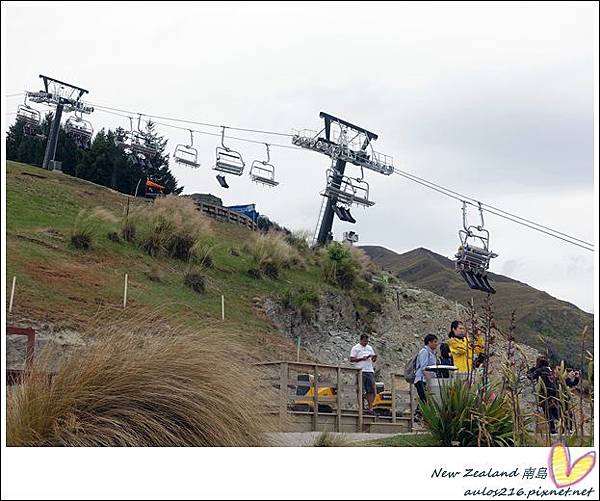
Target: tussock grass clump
<point x="128" y="231"/>
<point x="195" y="281"/>
<point x="327" y="439"/>
<point x="299" y="240"/>
<point x="272" y="253"/>
<point x="171" y="227"/>
<point x="113" y="236"/>
<point x="128" y="390"/>
<point x="87" y="225"/>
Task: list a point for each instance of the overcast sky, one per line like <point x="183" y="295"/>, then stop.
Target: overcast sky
<point x="495" y="101"/>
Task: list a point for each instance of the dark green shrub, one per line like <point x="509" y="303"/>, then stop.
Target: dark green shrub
<point x="195" y="281"/>
<point x="113" y="236"/>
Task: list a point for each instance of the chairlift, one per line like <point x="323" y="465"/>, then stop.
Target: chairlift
<point x="472" y="261"/>
<point x="140" y="143"/>
<point x="347" y="190"/>
<point x="187" y="154"/>
<point x="228" y="160"/>
<point x="31" y="119"/>
<point x="261" y="171"/>
<point x="80" y="130"/>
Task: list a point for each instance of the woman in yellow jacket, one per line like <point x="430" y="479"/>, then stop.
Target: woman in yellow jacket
<point x="462" y="349"/>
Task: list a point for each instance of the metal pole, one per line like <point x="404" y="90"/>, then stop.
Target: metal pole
<point x="222" y="307"/>
<point x="327" y="221"/>
<point x="53" y="137"/>
<point x="298" y="351"/>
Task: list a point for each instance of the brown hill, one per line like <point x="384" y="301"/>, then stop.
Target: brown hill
<point x="542" y="320"/>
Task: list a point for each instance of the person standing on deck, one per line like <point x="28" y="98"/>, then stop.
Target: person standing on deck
<point x="362" y="356"/>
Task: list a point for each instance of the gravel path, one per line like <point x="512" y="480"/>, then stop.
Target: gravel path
<point x="307" y="439"/>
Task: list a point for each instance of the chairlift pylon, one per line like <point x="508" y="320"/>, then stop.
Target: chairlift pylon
<point x="263" y="172"/>
<point x="472" y="261"/>
<point x="187" y="154"/>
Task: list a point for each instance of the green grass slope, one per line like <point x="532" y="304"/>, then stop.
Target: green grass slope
<point x="73" y="288"/>
<point x="538" y="314"/>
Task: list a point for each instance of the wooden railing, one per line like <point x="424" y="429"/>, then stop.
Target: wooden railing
<point x="340" y="408"/>
<point x="224" y="214"/>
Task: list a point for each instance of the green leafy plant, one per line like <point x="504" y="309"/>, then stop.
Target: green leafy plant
<point x="470" y="418"/>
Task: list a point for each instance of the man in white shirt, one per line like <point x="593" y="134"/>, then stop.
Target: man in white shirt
<point x="362" y="356"/>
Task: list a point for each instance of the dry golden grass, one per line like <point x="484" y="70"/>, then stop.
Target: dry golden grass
<point x="162" y="388"/>
<point x="327" y="439"/>
<point x="273" y="249"/>
<point x="172" y="226"/>
<point x="87" y="224"/>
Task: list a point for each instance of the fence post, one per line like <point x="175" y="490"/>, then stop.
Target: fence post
<point x="360" y="401"/>
<point x="283" y="387"/>
<point x="315" y="398"/>
<point x="393" y="398"/>
<point x="125" y="292"/>
<point x="12" y="294"/>
<point x="222" y="307"/>
<point x="338" y="400"/>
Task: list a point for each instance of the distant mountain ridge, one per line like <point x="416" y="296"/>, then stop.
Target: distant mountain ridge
<point x="538" y="314"/>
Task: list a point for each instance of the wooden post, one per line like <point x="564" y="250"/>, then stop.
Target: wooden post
<point x="125" y="292"/>
<point x="222" y="307"/>
<point x="360" y="401"/>
<point x="283" y="397"/>
<point x="12" y="294"/>
<point x="338" y="400"/>
<point x="393" y="398"/>
<point x="315" y="399"/>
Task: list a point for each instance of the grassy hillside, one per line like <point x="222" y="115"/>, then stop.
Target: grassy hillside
<point x="538" y="314"/>
<point x="75" y="288"/>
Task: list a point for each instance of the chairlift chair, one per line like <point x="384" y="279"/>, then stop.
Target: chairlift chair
<point x="348" y="191"/>
<point x="472" y="261"/>
<point x="80" y="130"/>
<point x="228" y="160"/>
<point x="263" y="172"/>
<point x="31" y="119"/>
<point x="187" y="154"/>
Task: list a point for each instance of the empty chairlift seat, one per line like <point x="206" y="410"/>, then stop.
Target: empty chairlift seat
<point x="347" y="191"/>
<point x="229" y="161"/>
<point x="263" y="172"/>
<point x="187" y="154"/>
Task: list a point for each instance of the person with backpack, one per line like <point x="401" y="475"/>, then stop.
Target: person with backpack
<point x="547" y="390"/>
<point x="425" y="358"/>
